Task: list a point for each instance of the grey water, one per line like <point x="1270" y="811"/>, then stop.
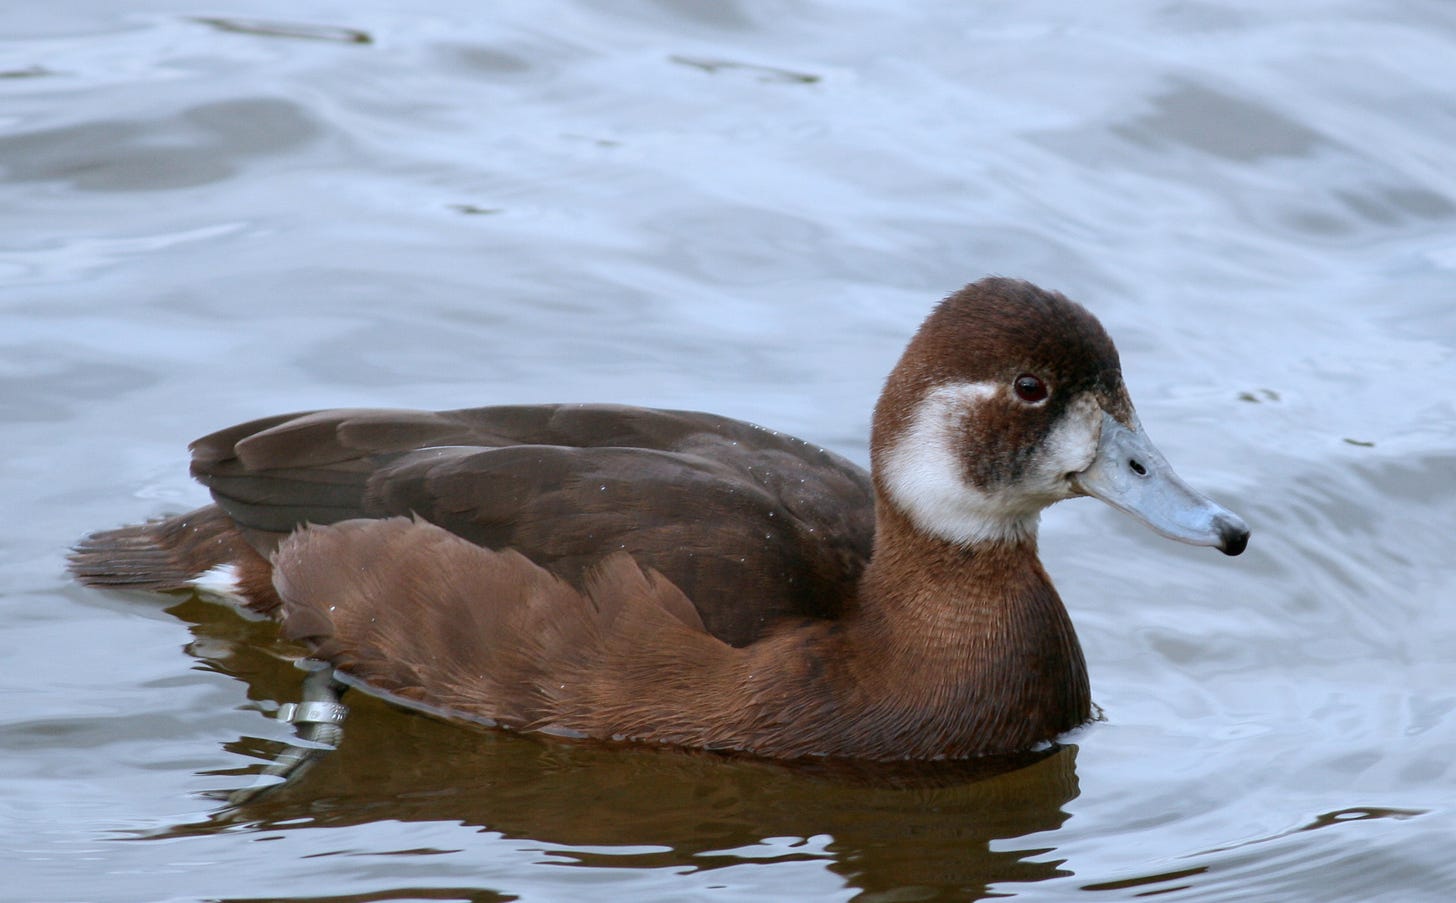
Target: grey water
<point x="210" y="214"/>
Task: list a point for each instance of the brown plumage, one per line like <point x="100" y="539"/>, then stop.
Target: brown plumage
<point x="728" y="509"/>
<point x="683" y="578"/>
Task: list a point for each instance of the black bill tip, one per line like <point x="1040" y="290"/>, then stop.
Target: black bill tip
<point x="1233" y="535"/>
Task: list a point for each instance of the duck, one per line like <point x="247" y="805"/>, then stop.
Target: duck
<point x="644" y="576"/>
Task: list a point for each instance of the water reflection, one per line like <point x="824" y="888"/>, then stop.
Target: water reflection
<point x="923" y="827"/>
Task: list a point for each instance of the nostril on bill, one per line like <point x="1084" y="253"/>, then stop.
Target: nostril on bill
<point x="1137" y="467"/>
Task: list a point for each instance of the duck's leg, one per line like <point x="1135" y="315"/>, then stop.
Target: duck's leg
<point x="319" y="718"/>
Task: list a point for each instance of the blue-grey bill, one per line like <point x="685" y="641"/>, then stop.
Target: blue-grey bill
<point x="1131" y="475"/>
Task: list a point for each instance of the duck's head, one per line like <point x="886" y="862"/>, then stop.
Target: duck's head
<point x="1010" y="398"/>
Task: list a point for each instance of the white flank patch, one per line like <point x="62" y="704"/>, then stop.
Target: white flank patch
<point x="221" y="580"/>
<point x="925" y="475"/>
<point x="220" y="584"/>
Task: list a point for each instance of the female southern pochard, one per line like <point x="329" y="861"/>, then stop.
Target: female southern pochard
<point x="683" y="578"/>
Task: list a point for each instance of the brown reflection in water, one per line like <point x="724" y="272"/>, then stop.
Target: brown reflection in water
<point x="923" y="828"/>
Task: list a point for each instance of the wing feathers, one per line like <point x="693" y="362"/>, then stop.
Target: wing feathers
<point x="724" y="509"/>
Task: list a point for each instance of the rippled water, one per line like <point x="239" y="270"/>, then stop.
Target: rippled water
<point x="744" y="207"/>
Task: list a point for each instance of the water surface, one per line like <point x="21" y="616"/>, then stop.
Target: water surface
<point x="743" y="207"/>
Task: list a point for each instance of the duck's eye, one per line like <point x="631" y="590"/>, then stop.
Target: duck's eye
<point x="1030" y="389"/>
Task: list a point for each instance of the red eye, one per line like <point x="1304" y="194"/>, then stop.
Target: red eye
<point x="1030" y="389"/>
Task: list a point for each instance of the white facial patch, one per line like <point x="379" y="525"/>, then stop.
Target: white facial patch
<point x="1069" y="448"/>
<point x="925" y="475"/>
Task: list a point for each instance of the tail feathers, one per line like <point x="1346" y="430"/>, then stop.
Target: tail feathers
<point x="167" y="554"/>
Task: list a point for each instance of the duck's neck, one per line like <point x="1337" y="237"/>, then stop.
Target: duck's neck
<point x="973" y="640"/>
